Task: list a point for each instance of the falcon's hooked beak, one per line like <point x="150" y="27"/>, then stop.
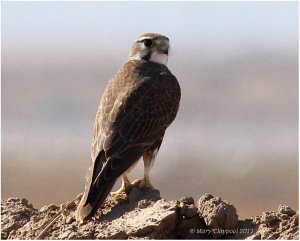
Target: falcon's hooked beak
<point x="162" y="46"/>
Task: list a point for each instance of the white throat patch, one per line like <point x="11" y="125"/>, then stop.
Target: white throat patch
<point x="159" y="58"/>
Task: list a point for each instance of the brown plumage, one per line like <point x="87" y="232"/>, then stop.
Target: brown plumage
<point x="137" y="106"/>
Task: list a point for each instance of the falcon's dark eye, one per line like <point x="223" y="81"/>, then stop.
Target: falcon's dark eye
<point x="148" y="43"/>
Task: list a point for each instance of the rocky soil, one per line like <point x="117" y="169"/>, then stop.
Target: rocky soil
<point x="144" y="215"/>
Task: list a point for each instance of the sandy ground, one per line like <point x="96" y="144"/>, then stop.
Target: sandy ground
<point x="144" y="215"/>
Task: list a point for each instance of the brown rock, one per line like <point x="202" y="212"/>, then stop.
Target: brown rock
<point x="218" y="215"/>
<point x="187" y="200"/>
<point x="193" y="228"/>
<point x="49" y="208"/>
<point x="269" y="217"/>
<point x="191" y="211"/>
<point x="111" y="233"/>
<point x="143" y="204"/>
<point x="15" y="213"/>
<point x="286" y="210"/>
<point x="188" y="211"/>
<point x="65" y="235"/>
<point x="276" y="225"/>
<point x="160" y="219"/>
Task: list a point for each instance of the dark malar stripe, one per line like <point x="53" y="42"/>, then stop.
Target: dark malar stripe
<point x="147" y="57"/>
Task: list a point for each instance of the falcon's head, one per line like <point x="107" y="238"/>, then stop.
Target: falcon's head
<point x="150" y="47"/>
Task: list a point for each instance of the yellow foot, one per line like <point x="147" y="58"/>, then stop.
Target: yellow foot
<point x="143" y="184"/>
<point x="125" y="189"/>
<point x="118" y="192"/>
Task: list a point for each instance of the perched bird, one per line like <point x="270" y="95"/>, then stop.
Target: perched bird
<point x="137" y="106"/>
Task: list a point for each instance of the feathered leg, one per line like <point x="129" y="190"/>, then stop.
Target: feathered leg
<point x="145" y="183"/>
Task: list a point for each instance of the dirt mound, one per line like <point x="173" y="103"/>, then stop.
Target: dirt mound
<point x="144" y="215"/>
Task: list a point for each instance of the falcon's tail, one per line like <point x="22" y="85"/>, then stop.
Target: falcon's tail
<point x="88" y="208"/>
<point x="101" y="179"/>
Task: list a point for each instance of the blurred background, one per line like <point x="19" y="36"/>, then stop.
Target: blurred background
<point x="236" y="133"/>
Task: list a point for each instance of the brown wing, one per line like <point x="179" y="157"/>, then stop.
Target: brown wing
<point x="139" y="103"/>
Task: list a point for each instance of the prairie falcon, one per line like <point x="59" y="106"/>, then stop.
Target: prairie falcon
<point x="137" y="106"/>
